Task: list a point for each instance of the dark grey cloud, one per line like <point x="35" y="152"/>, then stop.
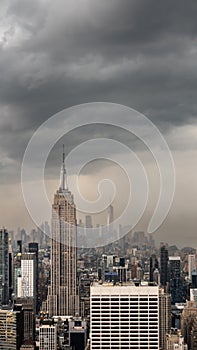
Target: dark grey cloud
<point x="57" y="54"/>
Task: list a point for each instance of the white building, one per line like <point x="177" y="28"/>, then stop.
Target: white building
<point x="27" y="281"/>
<point x="48" y="337"/>
<point x="124" y="317"/>
<point x="193" y="294"/>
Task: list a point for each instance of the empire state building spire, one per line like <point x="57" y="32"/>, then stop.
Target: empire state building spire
<point x="63" y="177"/>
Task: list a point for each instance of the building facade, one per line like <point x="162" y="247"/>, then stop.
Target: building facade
<point x="62" y="291"/>
<point x="175" y="280"/>
<point x="175" y="341"/>
<point x="27" y="281"/>
<point x="163" y="266"/>
<point x="48" y="337"/>
<point x="191" y="265"/>
<point x="11" y="334"/>
<point x="164" y="317"/>
<point x="188" y="317"/>
<point x="124" y="316"/>
<point x="4" y="267"/>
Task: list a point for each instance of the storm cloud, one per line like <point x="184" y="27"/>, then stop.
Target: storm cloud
<point x="142" y="54"/>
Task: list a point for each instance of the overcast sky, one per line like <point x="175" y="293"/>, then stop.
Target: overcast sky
<point x="57" y="54"/>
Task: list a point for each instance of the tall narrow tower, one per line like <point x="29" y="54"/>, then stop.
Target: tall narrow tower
<point x="62" y="291"/>
<point x="4" y="267"/>
<point x="163" y="265"/>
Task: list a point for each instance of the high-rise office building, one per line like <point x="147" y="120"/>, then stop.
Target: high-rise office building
<point x="175" y="279"/>
<point x="188" y="317"/>
<point x="28" y="276"/>
<point x="88" y="221"/>
<point x="153" y="266"/>
<point x="62" y="298"/>
<point x="4" y="267"/>
<point x="28" y="307"/>
<point x="124" y="316"/>
<point x="193" y="294"/>
<point x="33" y="248"/>
<point x="194" y="335"/>
<point x="77" y="330"/>
<point x="11" y="330"/>
<point x="110" y="215"/>
<point x="191" y="265"/>
<point x="48" y="337"/>
<point x="11" y="266"/>
<point x="163" y="265"/>
<point x="164" y="317"/>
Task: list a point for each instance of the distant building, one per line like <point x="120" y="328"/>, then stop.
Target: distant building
<point x="193" y="294"/>
<point x="175" y="341"/>
<point x="194" y="335"/>
<point x="154" y="265"/>
<point x="124" y="317"/>
<point x="77" y="333"/>
<point x="10" y="264"/>
<point x="110" y="218"/>
<point x="27" y="287"/>
<point x="139" y="239"/>
<point x="164" y="317"/>
<point x="11" y="332"/>
<point x="194" y="279"/>
<point x="88" y="221"/>
<point x="33" y="248"/>
<point x="191" y="265"/>
<point x="175" y="280"/>
<point x="189" y="314"/>
<point x="28" y="306"/>
<point x="4" y="267"/>
<point x="163" y="266"/>
<point x="48" y="337"/>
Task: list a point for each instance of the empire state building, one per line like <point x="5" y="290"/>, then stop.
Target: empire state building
<point x="62" y="298"/>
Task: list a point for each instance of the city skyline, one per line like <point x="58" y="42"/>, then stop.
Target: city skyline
<point x="98" y="190"/>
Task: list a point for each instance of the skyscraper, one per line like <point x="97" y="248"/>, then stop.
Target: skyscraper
<point x="175" y="279"/>
<point x="27" y="289"/>
<point x="4" y="267"/>
<point x="124" y="316"/>
<point x="163" y="265"/>
<point x="110" y="215"/>
<point x="153" y="266"/>
<point x="10" y="258"/>
<point x="191" y="265"/>
<point x="28" y="275"/>
<point x="48" y="337"/>
<point x="33" y="248"/>
<point x="11" y="330"/>
<point x="164" y="317"/>
<point x="62" y="291"/>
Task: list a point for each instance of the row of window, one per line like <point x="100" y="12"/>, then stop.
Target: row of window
<point x="123" y="298"/>
<point x="115" y="331"/>
<point x="125" y="347"/>
<point x="120" y="327"/>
